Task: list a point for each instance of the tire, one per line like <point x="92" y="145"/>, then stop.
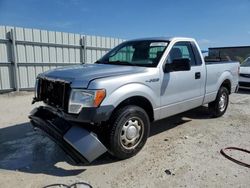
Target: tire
<point x="129" y="131"/>
<point x="218" y="107"/>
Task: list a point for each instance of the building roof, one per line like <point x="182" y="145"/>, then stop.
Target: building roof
<point x="229" y="47"/>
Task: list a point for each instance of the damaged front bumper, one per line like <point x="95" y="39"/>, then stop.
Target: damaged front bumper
<point x="80" y="144"/>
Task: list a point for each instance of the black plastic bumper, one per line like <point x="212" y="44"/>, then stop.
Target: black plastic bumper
<point x="81" y="145"/>
<point x="92" y="114"/>
<point x="87" y="115"/>
<point x="244" y="85"/>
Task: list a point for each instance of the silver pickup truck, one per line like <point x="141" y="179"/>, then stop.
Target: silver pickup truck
<point x="108" y="106"/>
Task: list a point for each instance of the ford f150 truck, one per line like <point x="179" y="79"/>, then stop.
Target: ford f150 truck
<point x="109" y="105"/>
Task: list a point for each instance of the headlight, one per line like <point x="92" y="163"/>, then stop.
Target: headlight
<point x="85" y="98"/>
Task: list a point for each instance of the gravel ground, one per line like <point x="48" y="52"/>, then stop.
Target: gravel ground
<point x="182" y="151"/>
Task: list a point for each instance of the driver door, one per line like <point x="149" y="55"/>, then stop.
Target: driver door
<point x="181" y="90"/>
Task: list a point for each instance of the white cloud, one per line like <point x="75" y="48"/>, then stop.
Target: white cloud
<point x="204" y="41"/>
<point x="63" y="24"/>
<point x="58" y="24"/>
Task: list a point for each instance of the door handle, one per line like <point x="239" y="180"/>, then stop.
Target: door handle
<point x="197" y="75"/>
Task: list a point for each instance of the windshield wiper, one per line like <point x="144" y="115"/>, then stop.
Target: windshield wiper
<point x="115" y="62"/>
<point x="98" y="62"/>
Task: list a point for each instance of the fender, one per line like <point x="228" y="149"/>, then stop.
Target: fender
<point x="131" y="90"/>
<point x="211" y="96"/>
<point x="227" y="75"/>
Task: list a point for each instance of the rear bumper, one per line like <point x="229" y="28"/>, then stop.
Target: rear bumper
<point x="245" y="85"/>
<point x="81" y="145"/>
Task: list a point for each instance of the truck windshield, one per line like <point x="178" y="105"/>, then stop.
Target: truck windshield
<point x="246" y="63"/>
<point x="145" y="53"/>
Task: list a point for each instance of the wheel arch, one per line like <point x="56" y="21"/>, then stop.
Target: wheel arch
<point x="225" y="80"/>
<point x="140" y="101"/>
<point x="227" y="84"/>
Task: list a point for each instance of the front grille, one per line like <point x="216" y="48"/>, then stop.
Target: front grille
<point x="244" y="84"/>
<point x="54" y="93"/>
<point x="245" y="75"/>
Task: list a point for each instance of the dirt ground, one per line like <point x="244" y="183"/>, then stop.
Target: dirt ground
<point x="182" y="151"/>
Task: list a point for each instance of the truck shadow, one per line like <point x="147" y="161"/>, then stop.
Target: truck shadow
<point x="163" y="125"/>
<point x="174" y="121"/>
<point x="23" y="149"/>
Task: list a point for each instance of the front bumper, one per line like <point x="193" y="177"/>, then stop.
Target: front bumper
<point x="81" y="145"/>
<point x="92" y="114"/>
<point x="87" y="115"/>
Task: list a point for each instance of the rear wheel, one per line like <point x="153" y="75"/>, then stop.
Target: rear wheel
<point x="129" y="131"/>
<point x="218" y="107"/>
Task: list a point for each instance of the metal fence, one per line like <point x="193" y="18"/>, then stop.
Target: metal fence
<point x="24" y="53"/>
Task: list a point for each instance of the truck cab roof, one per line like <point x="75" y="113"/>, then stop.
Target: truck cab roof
<point x="167" y="39"/>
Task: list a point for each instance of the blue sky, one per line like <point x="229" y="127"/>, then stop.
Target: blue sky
<point x="211" y="22"/>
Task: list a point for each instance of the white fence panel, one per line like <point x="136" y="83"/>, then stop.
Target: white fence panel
<point x="26" y="52"/>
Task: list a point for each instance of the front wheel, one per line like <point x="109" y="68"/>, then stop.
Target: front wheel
<point x="130" y="127"/>
<point x="218" y="107"/>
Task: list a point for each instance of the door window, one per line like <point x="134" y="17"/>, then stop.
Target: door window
<point x="182" y="50"/>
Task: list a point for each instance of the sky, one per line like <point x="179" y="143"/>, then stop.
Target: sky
<point x="212" y="23"/>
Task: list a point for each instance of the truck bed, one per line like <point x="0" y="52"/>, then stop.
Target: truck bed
<point x="216" y="71"/>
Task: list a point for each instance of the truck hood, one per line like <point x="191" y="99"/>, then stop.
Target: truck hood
<point x="81" y="75"/>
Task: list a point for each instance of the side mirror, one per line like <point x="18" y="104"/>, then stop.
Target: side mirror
<point x="177" y="65"/>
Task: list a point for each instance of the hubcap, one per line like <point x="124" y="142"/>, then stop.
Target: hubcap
<point x="223" y="102"/>
<point x="131" y="133"/>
